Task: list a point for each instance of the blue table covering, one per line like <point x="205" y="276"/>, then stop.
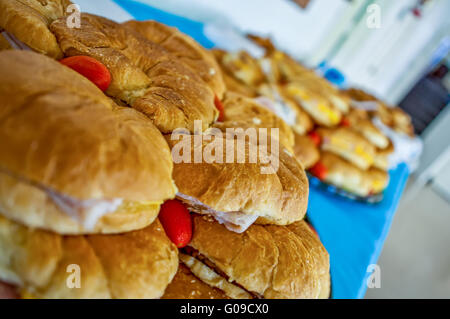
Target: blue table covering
<point x="352" y="232"/>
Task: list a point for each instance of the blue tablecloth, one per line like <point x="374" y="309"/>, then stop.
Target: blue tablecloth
<point x="352" y="232"/>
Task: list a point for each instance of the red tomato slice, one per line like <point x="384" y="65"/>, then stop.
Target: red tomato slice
<point x="319" y="170"/>
<point x="177" y="222"/>
<point x="345" y="122"/>
<point x="90" y="68"/>
<point x="315" y="137"/>
<point x="220" y="108"/>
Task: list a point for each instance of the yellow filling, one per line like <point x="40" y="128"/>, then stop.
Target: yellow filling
<point x="302" y="94"/>
<point x="360" y="152"/>
<point x="333" y="116"/>
<point x="377" y="186"/>
<point x="342" y="144"/>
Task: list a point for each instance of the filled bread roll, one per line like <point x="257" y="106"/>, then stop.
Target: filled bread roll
<point x="349" y="144"/>
<point x="360" y="121"/>
<point x="347" y="176"/>
<point x="242" y="66"/>
<point x="145" y="76"/>
<point x="314" y="103"/>
<point x="248" y="186"/>
<point x="286" y="107"/>
<point x="70" y="158"/>
<point x="272" y="262"/>
<point x="38" y="263"/>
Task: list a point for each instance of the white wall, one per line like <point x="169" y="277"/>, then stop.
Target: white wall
<point x="435" y="159"/>
<point x="390" y="60"/>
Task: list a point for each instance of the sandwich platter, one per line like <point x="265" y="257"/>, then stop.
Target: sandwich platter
<point x="103" y="178"/>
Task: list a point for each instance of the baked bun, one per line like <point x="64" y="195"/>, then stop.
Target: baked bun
<point x="347" y="176"/>
<point x="243" y="67"/>
<point x="360" y="121"/>
<point x="4" y="44"/>
<point x="231" y="83"/>
<point x="306" y="151"/>
<point x="288" y="68"/>
<point x="144" y="74"/>
<point x="240" y="111"/>
<point x="273" y="262"/>
<point x="68" y="151"/>
<point x="349" y="144"/>
<point x="270" y="190"/>
<point x="137" y="264"/>
<point x="315" y="104"/>
<point x="395" y="118"/>
<point x="360" y="95"/>
<point x="29" y="22"/>
<point x="186" y="49"/>
<point x="324" y="88"/>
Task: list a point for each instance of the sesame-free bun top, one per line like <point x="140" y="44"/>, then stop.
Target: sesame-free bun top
<point x="274" y="193"/>
<point x="145" y="76"/>
<point x="185" y="48"/>
<point x="273" y="262"/>
<point x="60" y="133"/>
<point x="29" y="21"/>
<point x="137" y="264"/>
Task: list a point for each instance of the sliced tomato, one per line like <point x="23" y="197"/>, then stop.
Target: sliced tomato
<point x="220" y="108"/>
<point x="315" y="137"/>
<point x="90" y="68"/>
<point x="177" y="222"/>
<point x="319" y="170"/>
<point x="345" y="122"/>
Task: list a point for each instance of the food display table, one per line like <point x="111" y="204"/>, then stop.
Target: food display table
<point x="352" y="232"/>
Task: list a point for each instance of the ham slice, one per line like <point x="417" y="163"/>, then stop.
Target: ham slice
<point x="237" y="222"/>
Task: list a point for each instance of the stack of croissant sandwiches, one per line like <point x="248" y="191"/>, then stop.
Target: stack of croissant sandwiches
<point x="93" y="203"/>
<point x="335" y="137"/>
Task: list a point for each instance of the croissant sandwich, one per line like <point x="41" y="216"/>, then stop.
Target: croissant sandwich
<point x="264" y="262"/>
<point x="163" y="81"/>
<point x="266" y="190"/>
